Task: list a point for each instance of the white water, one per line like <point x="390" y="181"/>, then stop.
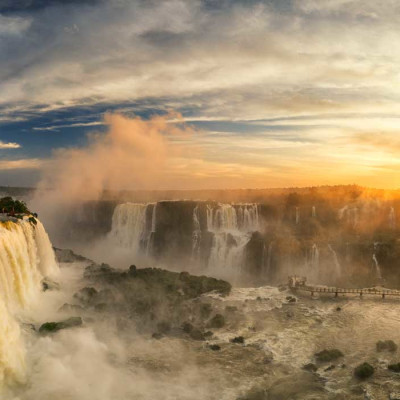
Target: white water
<point x="297" y="215"/>
<point x="376" y="262"/>
<point x="129" y="225"/>
<point x="392" y="218"/>
<point x="26" y="257"/>
<point x="338" y="267"/>
<point x="232" y="227"/>
<point x="313" y="212"/>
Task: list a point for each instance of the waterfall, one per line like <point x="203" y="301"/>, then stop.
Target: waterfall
<point x="313" y="212"/>
<point x="266" y="261"/>
<point x="232" y="226"/>
<point x="297" y="215"/>
<point x="377" y="267"/>
<point x="129" y="225"/>
<point x="392" y="218"/>
<point x="336" y="261"/>
<point x="26" y="257"/>
<point x="315" y="257"/>
<point x="196" y="235"/>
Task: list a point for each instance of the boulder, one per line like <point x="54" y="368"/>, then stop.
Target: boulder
<point x="50" y="327"/>
<point x="214" y="347"/>
<point x="310" y="367"/>
<point x="238" y="339"/>
<point x="364" y="371"/>
<point x="328" y="355"/>
<point x="218" y="321"/>
<point x="394" y="367"/>
<point x="386" y="345"/>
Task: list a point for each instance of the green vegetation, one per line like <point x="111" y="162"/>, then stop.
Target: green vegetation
<point x="9" y="205"/>
<point x="328" y="355"/>
<point x="50" y="327"/>
<point x="364" y="371"/>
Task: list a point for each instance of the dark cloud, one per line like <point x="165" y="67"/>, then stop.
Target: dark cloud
<point x="26" y="6"/>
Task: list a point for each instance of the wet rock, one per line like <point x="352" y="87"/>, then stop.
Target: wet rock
<point x="48" y="284"/>
<point x="187" y="327"/>
<point x="291" y="299"/>
<point x="50" y="327"/>
<point x="70" y="308"/>
<point x="157" y="335"/>
<point x="205" y="310"/>
<point x="310" y="367"/>
<point x="328" y="355"/>
<point x="364" y="371"/>
<point x="218" y="321"/>
<point x="386" y="345"/>
<point x="394" y="367"/>
<point x="231" y="309"/>
<point x="196" y="334"/>
<point x="208" y="334"/>
<point x="338" y="308"/>
<point x="214" y="347"/>
<point x="68" y="256"/>
<point x="86" y="295"/>
<point x="238" y="339"/>
<point x="330" y="368"/>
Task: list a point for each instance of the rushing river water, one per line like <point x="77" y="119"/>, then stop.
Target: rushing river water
<point x="101" y="361"/>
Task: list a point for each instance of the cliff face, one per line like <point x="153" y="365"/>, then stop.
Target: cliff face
<point x="330" y="242"/>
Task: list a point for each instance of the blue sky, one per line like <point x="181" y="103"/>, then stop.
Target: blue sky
<point x="284" y="92"/>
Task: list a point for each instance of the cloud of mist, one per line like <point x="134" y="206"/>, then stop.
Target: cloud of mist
<point x="132" y="154"/>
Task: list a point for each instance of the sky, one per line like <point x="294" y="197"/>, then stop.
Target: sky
<point x="277" y="92"/>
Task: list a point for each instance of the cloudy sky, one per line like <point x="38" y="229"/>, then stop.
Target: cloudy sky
<point x="279" y="92"/>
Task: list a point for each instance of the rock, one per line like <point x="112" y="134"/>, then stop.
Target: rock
<point x="218" y="321"/>
<point x="48" y="284"/>
<point x="49" y="327"/>
<point x="208" y="334"/>
<point x="291" y="299"/>
<point x="68" y="256"/>
<point x="187" y="327"/>
<point x="214" y="347"/>
<point x="328" y="355"/>
<point x="394" y="367"/>
<point x="70" y="308"/>
<point x="330" y="368"/>
<point x="338" y="308"/>
<point x="238" y="339"/>
<point x="386" y="345"/>
<point x="394" y="396"/>
<point x="86" y="295"/>
<point x="231" y="309"/>
<point x="196" y="334"/>
<point x="364" y="371"/>
<point x="157" y="335"/>
<point x="310" y="367"/>
<point x="205" y="310"/>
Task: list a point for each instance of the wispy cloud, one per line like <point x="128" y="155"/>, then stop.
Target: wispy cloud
<point x="9" y="145"/>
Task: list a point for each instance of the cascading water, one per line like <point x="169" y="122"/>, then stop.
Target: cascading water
<point x="196" y="235"/>
<point x="297" y="215"/>
<point x="392" y="218"/>
<point x="232" y="226"/>
<point x="129" y="225"/>
<point x="313" y="212"/>
<point x="377" y="267"/>
<point x="338" y="268"/>
<point x="26" y="257"/>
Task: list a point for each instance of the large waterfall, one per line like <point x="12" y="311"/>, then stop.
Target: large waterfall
<point x="130" y="227"/>
<point x="232" y="226"/>
<point x="26" y="257"/>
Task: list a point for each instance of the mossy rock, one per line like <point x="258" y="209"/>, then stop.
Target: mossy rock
<point x="217" y="321"/>
<point x="50" y="327"/>
<point x="394" y="367"/>
<point x="364" y="371"/>
<point x="386" y="345"/>
<point x="328" y="355"/>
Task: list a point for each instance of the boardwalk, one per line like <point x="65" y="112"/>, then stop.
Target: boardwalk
<point x="299" y="284"/>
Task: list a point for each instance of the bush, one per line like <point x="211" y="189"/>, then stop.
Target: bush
<point x="364" y="371"/>
<point x="9" y="205"/>
<point x="394" y="367"/>
<point x="328" y="355"/>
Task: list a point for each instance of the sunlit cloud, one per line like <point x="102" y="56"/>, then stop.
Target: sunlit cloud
<point x="9" y="145"/>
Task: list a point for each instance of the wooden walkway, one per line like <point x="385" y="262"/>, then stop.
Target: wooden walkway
<point x="337" y="291"/>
